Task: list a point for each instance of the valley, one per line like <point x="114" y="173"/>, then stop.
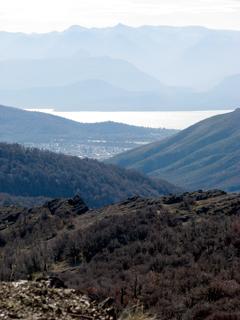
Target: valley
<point x="119" y="160"/>
<point x="84" y="140"/>
<point x="80" y="228"/>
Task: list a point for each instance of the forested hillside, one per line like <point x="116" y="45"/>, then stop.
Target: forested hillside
<point x="34" y="173"/>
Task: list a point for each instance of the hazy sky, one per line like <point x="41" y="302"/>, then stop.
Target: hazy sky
<point x="46" y="15"/>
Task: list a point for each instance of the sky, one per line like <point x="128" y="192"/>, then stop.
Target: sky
<point x="48" y="15"/>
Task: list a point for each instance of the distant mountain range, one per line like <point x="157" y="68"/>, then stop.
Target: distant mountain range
<point x="225" y="93"/>
<point x="95" y="140"/>
<point x="146" y="68"/>
<point x="99" y="95"/>
<point x="48" y="73"/>
<point x="205" y="155"/>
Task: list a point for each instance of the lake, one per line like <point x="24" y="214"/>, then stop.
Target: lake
<point x="155" y="119"/>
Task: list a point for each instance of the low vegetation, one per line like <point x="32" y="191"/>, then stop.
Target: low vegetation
<point x="177" y="256"/>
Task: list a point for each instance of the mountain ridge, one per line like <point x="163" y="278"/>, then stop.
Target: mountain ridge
<point x="205" y="155"/>
<point x="155" y="61"/>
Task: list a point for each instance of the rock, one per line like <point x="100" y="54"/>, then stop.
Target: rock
<point x="54" y="282"/>
<point x="39" y="300"/>
<point x="75" y="205"/>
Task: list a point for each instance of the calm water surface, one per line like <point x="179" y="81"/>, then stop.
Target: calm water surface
<point x="160" y="119"/>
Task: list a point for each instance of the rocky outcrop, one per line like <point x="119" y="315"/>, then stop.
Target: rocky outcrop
<point x="74" y="205"/>
<point x="40" y="300"/>
<point x="58" y="208"/>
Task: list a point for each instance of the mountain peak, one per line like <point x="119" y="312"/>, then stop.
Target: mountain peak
<point x="75" y="28"/>
<point x="121" y="26"/>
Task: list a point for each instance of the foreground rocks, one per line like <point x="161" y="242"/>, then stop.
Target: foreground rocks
<point x="39" y="300"/>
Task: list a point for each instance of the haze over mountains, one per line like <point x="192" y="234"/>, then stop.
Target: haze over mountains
<point x="108" y="220"/>
<point x="146" y="67"/>
<point x="205" y="155"/>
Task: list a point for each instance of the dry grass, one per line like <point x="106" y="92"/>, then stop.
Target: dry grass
<point x="136" y="313"/>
